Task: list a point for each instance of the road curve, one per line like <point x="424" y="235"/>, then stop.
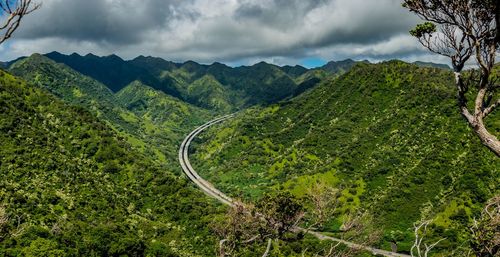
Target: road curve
<point x="210" y="190"/>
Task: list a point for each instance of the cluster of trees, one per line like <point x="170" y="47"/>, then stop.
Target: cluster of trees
<point x="279" y="216"/>
<point x="280" y="222"/>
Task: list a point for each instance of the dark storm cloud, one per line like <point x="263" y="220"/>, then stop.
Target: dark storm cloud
<point x="219" y="30"/>
<point x="115" y="22"/>
<point x="282" y="14"/>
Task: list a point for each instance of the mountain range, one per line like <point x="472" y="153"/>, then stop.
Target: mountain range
<point x="89" y="151"/>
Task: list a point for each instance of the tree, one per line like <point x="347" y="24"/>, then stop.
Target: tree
<point x="420" y="248"/>
<point x="324" y="200"/>
<point x="463" y="30"/>
<point x="273" y="216"/>
<point x="239" y="227"/>
<point x="486" y="230"/>
<point x="281" y="211"/>
<point x="14" y="11"/>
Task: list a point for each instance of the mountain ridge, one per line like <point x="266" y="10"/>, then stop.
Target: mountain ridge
<point x="261" y="83"/>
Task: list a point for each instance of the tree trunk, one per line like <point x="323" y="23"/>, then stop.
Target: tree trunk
<point x="486" y="137"/>
<point x="497" y="19"/>
<point x="476" y="120"/>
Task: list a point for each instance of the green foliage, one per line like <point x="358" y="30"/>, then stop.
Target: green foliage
<point x="71" y="186"/>
<point x="215" y="87"/>
<point x="423" y="29"/>
<point x="281" y="209"/>
<point x="42" y="248"/>
<point x="390" y="134"/>
<point x="152" y="121"/>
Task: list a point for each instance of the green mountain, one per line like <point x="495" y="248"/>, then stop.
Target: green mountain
<point x="294" y="71"/>
<point x="339" y="67"/>
<point x="241" y="86"/>
<point x="104" y="166"/>
<point x="432" y="65"/>
<point x="150" y="120"/>
<point x="163" y="120"/>
<point x="389" y="135"/>
<point x="71" y="186"/>
<point x="88" y="155"/>
<point x="336" y="67"/>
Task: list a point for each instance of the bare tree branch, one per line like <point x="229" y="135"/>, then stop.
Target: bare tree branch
<point x="419" y="248"/>
<point x="268" y="248"/>
<point x="491" y="108"/>
<point x="14" y="13"/>
<point x="486" y="230"/>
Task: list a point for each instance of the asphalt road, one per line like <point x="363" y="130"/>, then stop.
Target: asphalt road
<point x="210" y="190"/>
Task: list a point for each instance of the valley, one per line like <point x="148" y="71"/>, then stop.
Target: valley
<point x="386" y="136"/>
<point x="250" y="128"/>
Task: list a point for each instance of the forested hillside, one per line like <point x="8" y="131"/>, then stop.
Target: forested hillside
<point x="152" y="121"/>
<point x="89" y="172"/>
<point x="388" y="136"/>
<point x="72" y="186"/>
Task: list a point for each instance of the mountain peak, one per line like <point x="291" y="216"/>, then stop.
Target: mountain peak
<point x="336" y="67"/>
<point x="114" y="57"/>
<point x="91" y="55"/>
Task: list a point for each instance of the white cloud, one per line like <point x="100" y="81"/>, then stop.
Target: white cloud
<point x="219" y="30"/>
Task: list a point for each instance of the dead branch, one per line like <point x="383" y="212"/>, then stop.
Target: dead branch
<point x="268" y="248"/>
<point x="14" y="12"/>
<point x="486" y="230"/>
<point x="419" y="248"/>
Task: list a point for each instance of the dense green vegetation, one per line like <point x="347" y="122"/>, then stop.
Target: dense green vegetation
<point x="152" y="121"/>
<point x="141" y="129"/>
<point x="388" y="135"/>
<point x="71" y="186"/>
<point x="98" y="175"/>
<point x="216" y="86"/>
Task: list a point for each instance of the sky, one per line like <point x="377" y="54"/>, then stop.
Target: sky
<point x="235" y="32"/>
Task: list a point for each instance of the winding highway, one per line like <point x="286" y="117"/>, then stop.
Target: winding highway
<point x="210" y="190"/>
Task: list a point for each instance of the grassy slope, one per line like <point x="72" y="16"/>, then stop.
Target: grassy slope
<point x="72" y="186"/>
<point x="390" y="134"/>
<point x="164" y="120"/>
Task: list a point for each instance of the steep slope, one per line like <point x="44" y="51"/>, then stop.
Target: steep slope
<point x="389" y="135"/>
<point x="156" y="129"/>
<point x="163" y="120"/>
<point x="70" y="186"/>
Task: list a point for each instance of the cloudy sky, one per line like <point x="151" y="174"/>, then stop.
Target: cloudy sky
<point x="307" y="32"/>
